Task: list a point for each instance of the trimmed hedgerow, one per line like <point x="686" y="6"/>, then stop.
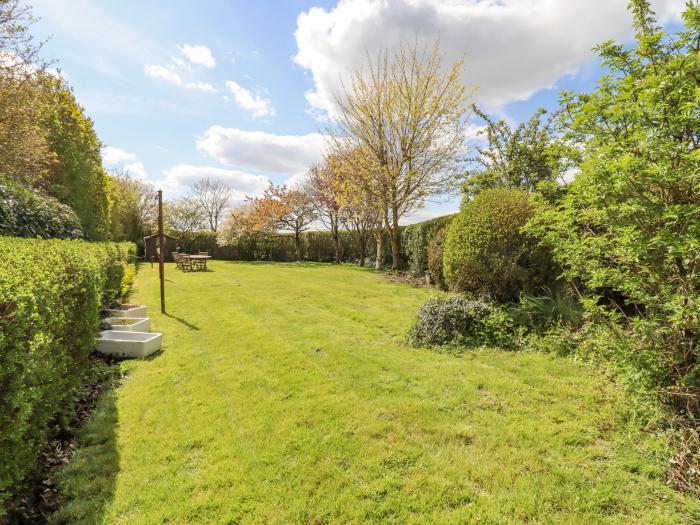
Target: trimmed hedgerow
<point x="25" y="212"/>
<point x="51" y="293"/>
<point x="436" y="249"/>
<point x="415" y="239"/>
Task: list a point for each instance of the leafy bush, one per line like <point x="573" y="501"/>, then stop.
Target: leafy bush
<point x="486" y="253"/>
<point x="628" y="229"/>
<point x="415" y="240"/>
<point x="51" y="292"/>
<point x="540" y="313"/>
<point x="458" y="320"/>
<point x="25" y="212"/>
<point x="436" y="249"/>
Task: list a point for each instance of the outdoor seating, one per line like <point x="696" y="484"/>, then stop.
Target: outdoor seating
<point x="191" y="263"/>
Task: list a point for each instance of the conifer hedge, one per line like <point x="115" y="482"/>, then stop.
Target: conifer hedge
<point x="51" y="293"/>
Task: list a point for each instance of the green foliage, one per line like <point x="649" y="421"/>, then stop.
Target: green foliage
<point x="51" y="293"/>
<point x="436" y="249"/>
<point x="78" y="178"/>
<point x="540" y="313"/>
<point x="415" y="239"/>
<point x="628" y="229"/>
<point x="531" y="156"/>
<point x="486" y="253"/>
<point x="25" y="212"/>
<point x="456" y="320"/>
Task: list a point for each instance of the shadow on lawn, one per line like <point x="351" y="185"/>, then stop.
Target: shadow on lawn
<point x="183" y="321"/>
<point x="87" y="483"/>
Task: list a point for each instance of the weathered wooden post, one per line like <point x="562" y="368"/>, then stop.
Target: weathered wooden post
<point x="161" y="251"/>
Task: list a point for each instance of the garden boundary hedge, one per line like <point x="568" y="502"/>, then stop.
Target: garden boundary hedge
<point x="51" y="294"/>
<point x="318" y="246"/>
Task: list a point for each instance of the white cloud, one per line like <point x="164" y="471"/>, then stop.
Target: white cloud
<point x="260" y="151"/>
<point x="116" y="158"/>
<point x="163" y="73"/>
<point x="113" y="156"/>
<point x="511" y="48"/>
<point x="168" y="74"/>
<point x="200" y="55"/>
<point x="254" y="104"/>
<point x="179" y="178"/>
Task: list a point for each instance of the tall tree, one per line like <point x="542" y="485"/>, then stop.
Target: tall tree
<point x="409" y="118"/>
<point x="78" y="178"/>
<point x="213" y="196"/>
<point x="326" y="186"/>
<point x="25" y="155"/>
<point x="184" y="216"/>
<point x="284" y="209"/>
<point x="523" y="157"/>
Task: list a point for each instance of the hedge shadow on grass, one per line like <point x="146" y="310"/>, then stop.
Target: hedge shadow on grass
<point x="87" y="483"/>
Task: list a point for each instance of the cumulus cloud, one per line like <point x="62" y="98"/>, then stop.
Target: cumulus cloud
<point x="253" y="103"/>
<point x="171" y="76"/>
<point x="511" y="48"/>
<point x="182" y="176"/>
<point x="260" y="151"/>
<point x="200" y="55"/>
<point x="119" y="159"/>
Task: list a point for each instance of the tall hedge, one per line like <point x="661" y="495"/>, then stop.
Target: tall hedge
<point x="51" y="293"/>
<point x="415" y="239"/>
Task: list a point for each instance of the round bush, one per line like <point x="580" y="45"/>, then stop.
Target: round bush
<point x="435" y="254"/>
<point x="486" y="252"/>
<point x="445" y="319"/>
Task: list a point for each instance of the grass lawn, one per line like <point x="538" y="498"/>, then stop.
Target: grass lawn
<point x="286" y="394"/>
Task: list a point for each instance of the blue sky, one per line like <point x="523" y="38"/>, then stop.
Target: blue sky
<point x="180" y="89"/>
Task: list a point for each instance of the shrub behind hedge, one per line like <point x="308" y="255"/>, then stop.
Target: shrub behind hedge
<point x="25" y="212"/>
<point x="415" y="239"/>
<point x="51" y="293"/>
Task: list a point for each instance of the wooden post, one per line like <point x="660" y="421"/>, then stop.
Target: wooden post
<point x="161" y="251"/>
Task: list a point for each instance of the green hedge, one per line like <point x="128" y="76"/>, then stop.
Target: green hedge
<point x="415" y="239"/>
<point x="24" y="212"/>
<point x="51" y="293"/>
<point x="318" y="246"/>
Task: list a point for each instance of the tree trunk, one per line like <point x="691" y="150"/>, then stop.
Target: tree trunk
<point x="380" y="249"/>
<point x="363" y="249"/>
<point x="395" y="241"/>
<point x="297" y="245"/>
<point x="336" y="242"/>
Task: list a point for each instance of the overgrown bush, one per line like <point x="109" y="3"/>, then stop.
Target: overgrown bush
<point x="51" y="293"/>
<point x="415" y="239"/>
<point x="628" y="228"/>
<point x="460" y="321"/>
<point x="541" y="313"/>
<point x="436" y="249"/>
<point x="486" y="252"/>
<point x="25" y="212"/>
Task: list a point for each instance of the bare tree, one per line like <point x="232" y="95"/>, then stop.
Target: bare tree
<point x="213" y="196"/>
<point x="184" y="215"/>
<point x="408" y="117"/>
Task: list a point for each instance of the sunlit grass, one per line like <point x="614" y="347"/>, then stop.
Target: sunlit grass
<point x="285" y="394"/>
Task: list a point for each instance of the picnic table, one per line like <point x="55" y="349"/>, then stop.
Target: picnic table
<point x="192" y="263"/>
